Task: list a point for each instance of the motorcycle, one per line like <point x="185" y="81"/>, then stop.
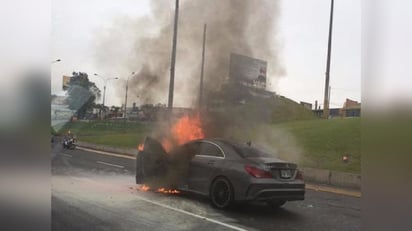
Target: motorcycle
<point x="69" y="143"/>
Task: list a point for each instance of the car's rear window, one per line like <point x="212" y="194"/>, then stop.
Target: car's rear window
<point x="247" y="151"/>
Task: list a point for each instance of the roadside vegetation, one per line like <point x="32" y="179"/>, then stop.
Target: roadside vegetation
<point x="288" y="129"/>
<point x="325" y="142"/>
<point x="312" y="143"/>
<point x="111" y="133"/>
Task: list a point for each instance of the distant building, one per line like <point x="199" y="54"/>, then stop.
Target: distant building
<point x="333" y="112"/>
<point x="65" y="82"/>
<point x="351" y="108"/>
<point x="306" y="105"/>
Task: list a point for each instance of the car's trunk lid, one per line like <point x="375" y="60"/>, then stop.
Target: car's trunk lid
<point x="280" y="169"/>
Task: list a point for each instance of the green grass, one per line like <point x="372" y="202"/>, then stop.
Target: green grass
<point x="285" y="109"/>
<point x="312" y="143"/>
<point x="289" y="129"/>
<point x="324" y="142"/>
<point x="116" y="133"/>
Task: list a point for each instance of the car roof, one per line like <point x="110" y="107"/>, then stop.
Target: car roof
<point x="207" y="139"/>
<point x="220" y="141"/>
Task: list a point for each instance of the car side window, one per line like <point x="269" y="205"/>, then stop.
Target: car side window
<point x="208" y="149"/>
<point x="192" y="149"/>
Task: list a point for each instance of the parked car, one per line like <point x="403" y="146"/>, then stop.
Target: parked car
<point x="225" y="171"/>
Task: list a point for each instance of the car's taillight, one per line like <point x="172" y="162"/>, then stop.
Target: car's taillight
<point x="299" y="175"/>
<point x="257" y="172"/>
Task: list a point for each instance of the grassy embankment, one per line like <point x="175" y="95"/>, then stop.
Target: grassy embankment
<point x="314" y="143"/>
<point x="294" y="133"/>
<point x="110" y="133"/>
<point x="324" y="142"/>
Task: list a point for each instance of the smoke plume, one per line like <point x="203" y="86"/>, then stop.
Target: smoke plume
<point x="243" y="27"/>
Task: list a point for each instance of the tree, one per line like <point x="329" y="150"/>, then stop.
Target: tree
<point x="82" y="93"/>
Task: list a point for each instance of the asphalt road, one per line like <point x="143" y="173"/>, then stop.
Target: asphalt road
<point x="96" y="191"/>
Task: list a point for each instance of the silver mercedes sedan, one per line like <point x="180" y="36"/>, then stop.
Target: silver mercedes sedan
<point x="225" y="171"/>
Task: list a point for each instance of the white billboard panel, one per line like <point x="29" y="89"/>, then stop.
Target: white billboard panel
<point x="248" y="71"/>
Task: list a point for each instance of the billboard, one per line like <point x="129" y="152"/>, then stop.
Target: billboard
<point x="66" y="81"/>
<point x="248" y="71"/>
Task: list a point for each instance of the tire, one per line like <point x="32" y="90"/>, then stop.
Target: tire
<point x="275" y="204"/>
<point x="221" y="193"/>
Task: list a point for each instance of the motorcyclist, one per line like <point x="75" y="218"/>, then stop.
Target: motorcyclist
<point x="69" y="137"/>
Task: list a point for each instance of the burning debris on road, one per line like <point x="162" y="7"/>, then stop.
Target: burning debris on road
<point x="145" y="188"/>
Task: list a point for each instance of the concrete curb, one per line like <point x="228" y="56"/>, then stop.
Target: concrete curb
<point x="105" y="148"/>
<point x="334" y="178"/>
<point x="332" y="189"/>
<point x="318" y="176"/>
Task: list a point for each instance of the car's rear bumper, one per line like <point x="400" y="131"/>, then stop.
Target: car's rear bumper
<point x="278" y="191"/>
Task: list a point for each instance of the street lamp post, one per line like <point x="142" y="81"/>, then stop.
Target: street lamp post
<point x="327" y="86"/>
<point x="125" y="98"/>
<point x="105" y="80"/>
<point x="173" y="60"/>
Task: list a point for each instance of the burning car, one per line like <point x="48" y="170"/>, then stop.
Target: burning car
<point x="225" y="171"/>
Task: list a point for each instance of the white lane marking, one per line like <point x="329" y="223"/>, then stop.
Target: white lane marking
<point x="66" y="155"/>
<point x="113" y="165"/>
<point x="107" y="153"/>
<point x="168" y="207"/>
<point x="192" y="214"/>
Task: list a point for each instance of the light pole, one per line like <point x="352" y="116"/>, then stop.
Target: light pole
<point x="173" y="59"/>
<point x="327" y="86"/>
<point x="105" y="80"/>
<point x="202" y="69"/>
<point x="125" y="98"/>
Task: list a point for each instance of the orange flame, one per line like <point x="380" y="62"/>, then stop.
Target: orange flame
<point x="167" y="191"/>
<point x="144" y="188"/>
<point x="185" y="129"/>
<point x="140" y="147"/>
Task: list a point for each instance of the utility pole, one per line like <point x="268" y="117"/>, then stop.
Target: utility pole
<point x="104" y="93"/>
<point x="326" y="96"/>
<point x="105" y="80"/>
<point x="202" y="69"/>
<point x="125" y="98"/>
<point x="173" y="62"/>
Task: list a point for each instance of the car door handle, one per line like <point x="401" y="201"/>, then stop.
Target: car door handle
<point x="211" y="162"/>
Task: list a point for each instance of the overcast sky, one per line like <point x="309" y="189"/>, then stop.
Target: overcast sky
<point x="303" y="35"/>
<point x="386" y="35"/>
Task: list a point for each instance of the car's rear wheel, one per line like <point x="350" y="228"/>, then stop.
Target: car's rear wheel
<point x="274" y="204"/>
<point x="221" y="193"/>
